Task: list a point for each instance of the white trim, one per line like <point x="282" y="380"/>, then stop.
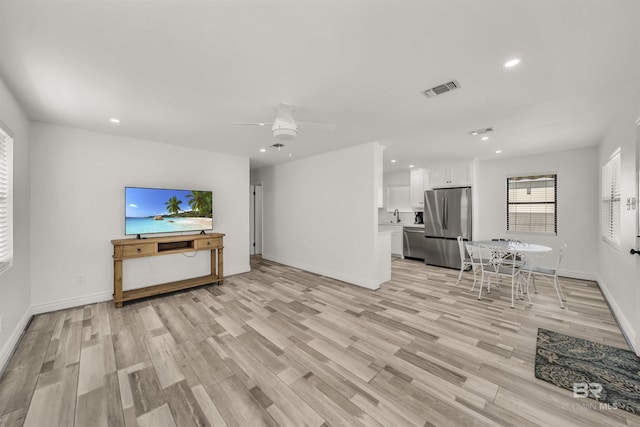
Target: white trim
<point x="236" y="270"/>
<point x="369" y="284"/>
<point x="72" y="302"/>
<point x="14" y="338"/>
<point x="623" y="322"/>
<point x="103" y="296"/>
<point x="578" y="275"/>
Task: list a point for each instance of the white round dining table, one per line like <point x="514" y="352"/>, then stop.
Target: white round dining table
<point x="517" y="246"/>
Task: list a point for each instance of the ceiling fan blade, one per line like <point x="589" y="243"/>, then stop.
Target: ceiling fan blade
<point x="252" y="124"/>
<point x="316" y="126"/>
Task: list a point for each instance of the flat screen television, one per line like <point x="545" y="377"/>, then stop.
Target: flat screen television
<point x="163" y="210"/>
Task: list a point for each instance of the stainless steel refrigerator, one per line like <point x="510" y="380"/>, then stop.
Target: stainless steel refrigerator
<point x="447" y="215"/>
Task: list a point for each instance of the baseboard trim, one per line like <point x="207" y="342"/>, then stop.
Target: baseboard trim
<point x="627" y="330"/>
<point x="14" y="339"/>
<point x="237" y="270"/>
<point x="72" y="302"/>
<point x="578" y="275"/>
<point x="369" y="284"/>
<point x="105" y="296"/>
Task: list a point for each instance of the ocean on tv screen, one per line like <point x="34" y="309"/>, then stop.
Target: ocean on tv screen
<point x="166" y="225"/>
<point x="154" y="210"/>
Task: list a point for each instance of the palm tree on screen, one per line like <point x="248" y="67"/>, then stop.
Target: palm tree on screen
<point x="200" y="202"/>
<point x="173" y="205"/>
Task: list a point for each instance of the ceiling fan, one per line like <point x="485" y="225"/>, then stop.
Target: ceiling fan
<point x="285" y="127"/>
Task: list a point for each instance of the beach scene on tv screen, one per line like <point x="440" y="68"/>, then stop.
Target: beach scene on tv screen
<point x="153" y="210"/>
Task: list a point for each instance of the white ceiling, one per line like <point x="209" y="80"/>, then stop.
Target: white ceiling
<point x="181" y="72"/>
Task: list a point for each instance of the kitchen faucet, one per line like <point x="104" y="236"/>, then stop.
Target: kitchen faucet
<point x="396" y="213"/>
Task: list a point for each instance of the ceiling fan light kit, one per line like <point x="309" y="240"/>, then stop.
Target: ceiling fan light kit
<point x="284" y="134"/>
<point x="284" y="126"/>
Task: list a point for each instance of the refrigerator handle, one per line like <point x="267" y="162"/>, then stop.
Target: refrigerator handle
<point x="444" y="213"/>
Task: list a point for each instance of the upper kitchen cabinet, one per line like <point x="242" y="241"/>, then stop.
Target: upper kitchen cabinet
<point x="398" y="198"/>
<point x="418" y="182"/>
<point x="455" y="175"/>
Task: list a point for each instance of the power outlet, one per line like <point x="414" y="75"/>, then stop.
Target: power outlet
<point x="80" y="279"/>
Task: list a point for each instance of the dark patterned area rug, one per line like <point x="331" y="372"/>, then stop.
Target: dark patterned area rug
<point x="608" y="374"/>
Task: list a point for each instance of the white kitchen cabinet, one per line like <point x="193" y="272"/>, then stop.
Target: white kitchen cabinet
<point x="418" y="182"/>
<point x="458" y="175"/>
<point x="398" y="198"/>
<point x="396" y="237"/>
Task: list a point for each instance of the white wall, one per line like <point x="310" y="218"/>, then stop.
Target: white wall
<point x="15" y="293"/>
<point x="620" y="271"/>
<point x="578" y="208"/>
<point x="320" y="214"/>
<point x="77" y="205"/>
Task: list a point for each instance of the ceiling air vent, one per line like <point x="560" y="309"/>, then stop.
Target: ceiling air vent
<point x="481" y="131"/>
<point x="443" y="88"/>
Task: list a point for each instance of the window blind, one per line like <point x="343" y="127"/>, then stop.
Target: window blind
<point x="6" y="209"/>
<point x="611" y="200"/>
<point x="531" y="204"/>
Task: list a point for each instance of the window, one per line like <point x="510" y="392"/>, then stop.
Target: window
<point x="531" y="204"/>
<point x="6" y="201"/>
<point x="611" y="200"/>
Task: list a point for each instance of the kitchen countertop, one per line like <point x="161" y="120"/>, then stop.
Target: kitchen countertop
<point x="402" y="224"/>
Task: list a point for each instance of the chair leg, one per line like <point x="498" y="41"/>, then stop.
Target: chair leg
<point x="525" y="286"/>
<point x="475" y="280"/>
<point x="527" y="281"/>
<point x="512" y="304"/>
<point x="460" y="274"/>
<point x="557" y="286"/>
<point x="564" y="297"/>
<point x="481" y="282"/>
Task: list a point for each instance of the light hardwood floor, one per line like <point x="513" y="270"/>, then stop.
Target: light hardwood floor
<point x="280" y="346"/>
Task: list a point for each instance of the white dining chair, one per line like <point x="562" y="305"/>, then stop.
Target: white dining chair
<point x="465" y="261"/>
<point x="507" y="262"/>
<point x="549" y="274"/>
<point x="480" y="258"/>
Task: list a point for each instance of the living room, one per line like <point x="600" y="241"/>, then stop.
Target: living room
<point x="320" y="212"/>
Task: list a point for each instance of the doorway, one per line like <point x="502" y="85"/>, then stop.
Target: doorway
<point x="255" y="219"/>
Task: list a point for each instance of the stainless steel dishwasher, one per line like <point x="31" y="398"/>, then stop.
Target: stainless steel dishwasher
<point x="413" y="244"/>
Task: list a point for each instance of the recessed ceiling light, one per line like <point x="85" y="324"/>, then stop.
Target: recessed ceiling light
<point x="484" y="138"/>
<point x="263" y="150"/>
<point x="410" y="166"/>
<point x="393" y="161"/>
<point x="511" y="63"/>
<point x="260" y="124"/>
<point x="114" y="120"/>
<point x="498" y="151"/>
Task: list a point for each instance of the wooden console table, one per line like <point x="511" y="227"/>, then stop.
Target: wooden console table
<point x="137" y="248"/>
